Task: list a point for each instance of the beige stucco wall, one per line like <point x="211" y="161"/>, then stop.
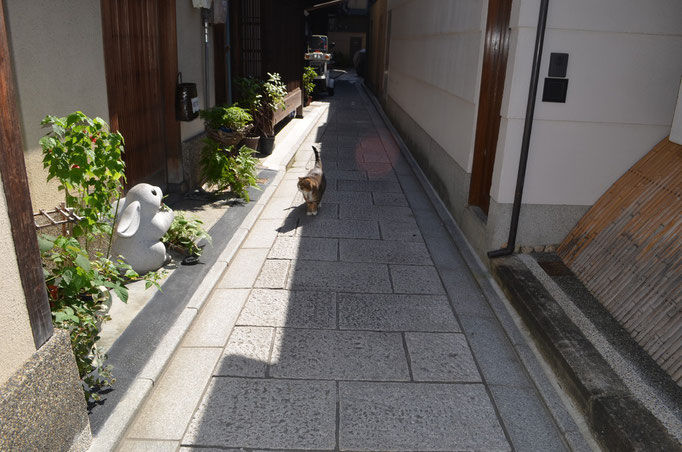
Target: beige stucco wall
<point x="191" y="59"/>
<point x="58" y="60"/>
<point x="16" y="336"/>
<point x="624" y="71"/>
<point x="434" y="70"/>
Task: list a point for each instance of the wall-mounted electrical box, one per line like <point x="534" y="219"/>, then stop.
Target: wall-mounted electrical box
<point x="556" y="84"/>
<point x="555" y="90"/>
<point x="558" y="63"/>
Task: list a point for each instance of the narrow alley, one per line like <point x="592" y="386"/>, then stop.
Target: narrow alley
<point x="369" y="327"/>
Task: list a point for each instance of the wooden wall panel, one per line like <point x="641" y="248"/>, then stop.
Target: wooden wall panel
<point x="137" y="94"/>
<point x="627" y="250"/>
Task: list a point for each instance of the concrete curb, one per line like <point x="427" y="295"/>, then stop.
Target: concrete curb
<point x="619" y="421"/>
<point x="110" y="435"/>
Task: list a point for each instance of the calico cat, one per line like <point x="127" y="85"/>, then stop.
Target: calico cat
<point x="312" y="186"/>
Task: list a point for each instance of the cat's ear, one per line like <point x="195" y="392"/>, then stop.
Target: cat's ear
<point x="301" y="178"/>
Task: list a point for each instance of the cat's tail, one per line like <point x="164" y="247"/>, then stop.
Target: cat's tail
<point x="317" y="155"/>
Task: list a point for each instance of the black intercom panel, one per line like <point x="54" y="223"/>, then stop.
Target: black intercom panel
<point x="556" y="84"/>
<point x="558" y="63"/>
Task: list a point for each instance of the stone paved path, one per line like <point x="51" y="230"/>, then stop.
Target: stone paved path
<point x="360" y="329"/>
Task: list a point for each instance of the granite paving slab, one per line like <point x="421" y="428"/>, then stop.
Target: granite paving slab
<point x="526" y="419"/>
<point x="410" y="417"/>
<point x="169" y="408"/>
<point x="334" y="228"/>
<point x="378" y="186"/>
<point x="269" y="414"/>
<point x="246" y="353"/>
<point x="244" y="268"/>
<point x="338" y="355"/>
<point x="384" y="213"/>
<point x="395" y="313"/>
<point x="416" y="279"/>
<point x="406" y="230"/>
<point x="384" y="251"/>
<point x="347" y="197"/>
<point x="294" y="309"/>
<point x="495" y="355"/>
<point x="273" y="274"/>
<point x="305" y="248"/>
<point x="389" y="199"/>
<point x="340" y="277"/>
<point x="442" y="357"/>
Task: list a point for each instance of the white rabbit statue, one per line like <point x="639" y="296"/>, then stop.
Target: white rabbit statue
<point x="141" y="223"/>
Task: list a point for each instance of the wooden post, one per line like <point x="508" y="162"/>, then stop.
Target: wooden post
<point x="19" y="209"/>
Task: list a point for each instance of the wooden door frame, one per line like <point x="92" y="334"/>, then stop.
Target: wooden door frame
<point x="496" y="49"/>
<point x="18" y="198"/>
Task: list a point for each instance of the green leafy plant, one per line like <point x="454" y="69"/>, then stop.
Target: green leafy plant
<point x="78" y="292"/>
<point x="184" y="234"/>
<point x="309" y="75"/>
<point x="274" y="92"/>
<point x="262" y="99"/>
<point x="234" y="118"/>
<point x="223" y="168"/>
<point x="86" y="158"/>
<point x="249" y="93"/>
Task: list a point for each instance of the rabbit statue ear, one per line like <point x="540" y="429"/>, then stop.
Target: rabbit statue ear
<point x="130" y="220"/>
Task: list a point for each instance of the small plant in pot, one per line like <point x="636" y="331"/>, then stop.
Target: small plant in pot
<point x="227" y="125"/>
<point x="224" y="168"/>
<point x="309" y="75"/>
<point x="184" y="236"/>
<point x="263" y="98"/>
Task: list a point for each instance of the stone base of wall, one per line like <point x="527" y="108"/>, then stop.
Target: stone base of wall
<point x="42" y="406"/>
<point x="191" y="154"/>
<point x="449" y="179"/>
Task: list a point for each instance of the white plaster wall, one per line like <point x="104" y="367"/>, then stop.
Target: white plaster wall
<point x="58" y="60"/>
<point x="191" y="60"/>
<point x="624" y="72"/>
<point x="676" y="130"/>
<point x="16" y="335"/>
<point x="434" y="68"/>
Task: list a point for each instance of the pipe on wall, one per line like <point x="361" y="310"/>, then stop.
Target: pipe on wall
<point x="205" y="15"/>
<point x="527" y="128"/>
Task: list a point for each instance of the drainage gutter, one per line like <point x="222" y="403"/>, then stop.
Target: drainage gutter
<point x="527" y="127"/>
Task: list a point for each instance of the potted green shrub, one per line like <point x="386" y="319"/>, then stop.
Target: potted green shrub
<point x="227" y="125"/>
<point x="274" y="93"/>
<point x="309" y="75"/>
<point x="262" y="99"/>
<point x="185" y="234"/>
<point x="226" y="169"/>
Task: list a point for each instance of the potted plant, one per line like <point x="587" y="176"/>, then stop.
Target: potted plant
<point x="226" y="169"/>
<point x="262" y="99"/>
<point x="309" y="75"/>
<point x="274" y="92"/>
<point x="185" y="234"/>
<point x="227" y="125"/>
